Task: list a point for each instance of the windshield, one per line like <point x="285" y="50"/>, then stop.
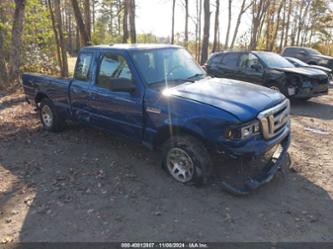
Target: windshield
<point x="274" y="60"/>
<point x="297" y="62"/>
<point x="312" y="51"/>
<point x="167" y="64"/>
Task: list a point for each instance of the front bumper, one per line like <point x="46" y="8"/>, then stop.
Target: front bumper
<point x="265" y="176"/>
<point x="311" y="90"/>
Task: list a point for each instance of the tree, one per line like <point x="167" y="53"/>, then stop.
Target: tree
<point x="216" y="27"/>
<point x="173" y="22"/>
<point x="131" y="16"/>
<point x="259" y="8"/>
<point x="56" y="36"/>
<point x="243" y="9"/>
<point x="58" y="18"/>
<point x="288" y="23"/>
<point x="125" y="21"/>
<point x="186" y="24"/>
<point x="229" y="24"/>
<point x="16" y="42"/>
<point x="205" y="40"/>
<point x="277" y="25"/>
<point x="85" y="38"/>
<point x="87" y="16"/>
<point x="3" y="64"/>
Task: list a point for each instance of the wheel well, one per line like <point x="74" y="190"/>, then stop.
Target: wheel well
<point x="166" y="132"/>
<point x="39" y="97"/>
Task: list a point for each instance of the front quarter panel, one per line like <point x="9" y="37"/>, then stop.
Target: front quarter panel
<point x="162" y="111"/>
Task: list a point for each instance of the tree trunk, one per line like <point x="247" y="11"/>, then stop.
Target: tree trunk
<point x="173" y="22"/>
<point x="125" y="21"/>
<point x="3" y="64"/>
<point x="259" y="8"/>
<point x="283" y="27"/>
<point x="93" y="15"/>
<point x="16" y="42"/>
<point x="199" y="20"/>
<point x="64" y="71"/>
<point x="205" y="40"/>
<point x="272" y="43"/>
<point x="226" y="43"/>
<point x="241" y="12"/>
<point x="84" y="35"/>
<point x="186" y="24"/>
<point x="216" y="26"/>
<point x="56" y="36"/>
<point x="288" y="23"/>
<point x="132" y="20"/>
<point x="87" y="16"/>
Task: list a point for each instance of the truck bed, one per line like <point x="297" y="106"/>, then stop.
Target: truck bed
<point x="56" y="88"/>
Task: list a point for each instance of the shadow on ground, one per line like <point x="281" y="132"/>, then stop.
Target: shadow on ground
<point x="312" y="108"/>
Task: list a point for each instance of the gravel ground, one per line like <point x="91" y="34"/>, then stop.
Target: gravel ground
<point x="85" y="185"/>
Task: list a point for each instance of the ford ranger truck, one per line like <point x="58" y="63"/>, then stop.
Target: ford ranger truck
<point x="157" y="95"/>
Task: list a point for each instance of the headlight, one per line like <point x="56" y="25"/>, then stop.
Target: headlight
<point x="323" y="61"/>
<point x="244" y="131"/>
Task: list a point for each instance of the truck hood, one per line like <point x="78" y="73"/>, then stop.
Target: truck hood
<point x="310" y="72"/>
<point x="241" y="99"/>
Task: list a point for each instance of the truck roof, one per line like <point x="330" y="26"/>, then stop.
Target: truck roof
<point x="124" y="46"/>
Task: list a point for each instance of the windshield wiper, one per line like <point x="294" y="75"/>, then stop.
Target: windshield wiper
<point x="170" y="81"/>
<point x="195" y="76"/>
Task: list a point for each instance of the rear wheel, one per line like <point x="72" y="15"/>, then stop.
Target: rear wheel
<point x="186" y="159"/>
<point x="49" y="117"/>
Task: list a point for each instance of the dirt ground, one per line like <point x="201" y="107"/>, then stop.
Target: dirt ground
<point x="85" y="185"/>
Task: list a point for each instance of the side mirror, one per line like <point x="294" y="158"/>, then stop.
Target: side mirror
<point x="122" y="85"/>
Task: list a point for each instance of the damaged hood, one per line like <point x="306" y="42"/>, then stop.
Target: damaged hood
<point x="326" y="69"/>
<point x="243" y="100"/>
<point x="306" y="71"/>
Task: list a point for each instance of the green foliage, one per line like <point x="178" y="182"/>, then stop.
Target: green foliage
<point x="39" y="48"/>
<point x="147" y="38"/>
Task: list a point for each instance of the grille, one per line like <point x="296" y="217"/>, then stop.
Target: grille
<point x="273" y="120"/>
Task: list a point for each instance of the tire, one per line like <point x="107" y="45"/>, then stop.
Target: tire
<point x="49" y="117"/>
<point x="192" y="160"/>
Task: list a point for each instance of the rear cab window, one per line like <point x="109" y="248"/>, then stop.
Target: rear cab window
<point x="82" y="69"/>
<point x="230" y="60"/>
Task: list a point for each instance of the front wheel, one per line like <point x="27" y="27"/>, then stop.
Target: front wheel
<point x="49" y="117"/>
<point x="186" y="159"/>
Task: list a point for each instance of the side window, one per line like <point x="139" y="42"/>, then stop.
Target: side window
<point x="112" y="66"/>
<point x="83" y="66"/>
<point x="288" y="52"/>
<point x="249" y="62"/>
<point x="215" y="60"/>
<point x="230" y="60"/>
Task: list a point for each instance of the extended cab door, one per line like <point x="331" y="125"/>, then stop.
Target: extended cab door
<point x="251" y="69"/>
<point x="79" y="87"/>
<point x="117" y="111"/>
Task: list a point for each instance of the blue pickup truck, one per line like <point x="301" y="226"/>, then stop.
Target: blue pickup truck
<point x="159" y="96"/>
